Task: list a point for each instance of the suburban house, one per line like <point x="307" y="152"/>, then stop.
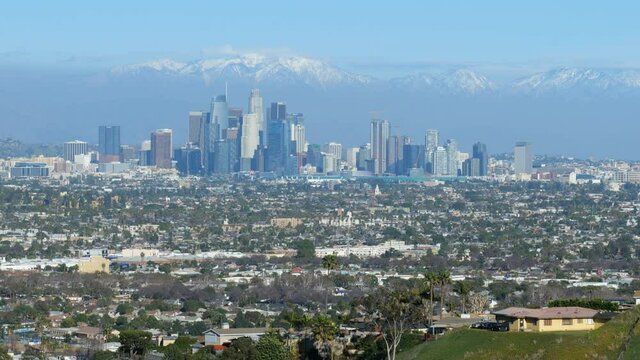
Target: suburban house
<point x="570" y="318"/>
<point x="217" y="338"/>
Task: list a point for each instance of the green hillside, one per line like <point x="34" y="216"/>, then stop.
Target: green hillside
<point x="603" y="343"/>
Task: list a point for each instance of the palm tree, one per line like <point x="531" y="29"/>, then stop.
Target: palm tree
<point x="464" y="289"/>
<point x="330" y="262"/>
<point x="324" y="330"/>
<point x="444" y="279"/>
<point x="431" y="279"/>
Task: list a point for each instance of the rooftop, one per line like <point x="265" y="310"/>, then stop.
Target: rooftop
<point x="573" y="312"/>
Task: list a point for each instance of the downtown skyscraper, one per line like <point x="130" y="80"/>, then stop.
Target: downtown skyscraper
<point x="161" y="148"/>
<point x="256" y="106"/>
<point x="523" y="158"/>
<point x="109" y="143"/>
<point x="379" y="136"/>
<point x="431" y="143"/>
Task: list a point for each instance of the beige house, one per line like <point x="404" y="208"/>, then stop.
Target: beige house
<point x="95" y="264"/>
<point x="285" y="222"/>
<point x="570" y="318"/>
<point x="219" y="337"/>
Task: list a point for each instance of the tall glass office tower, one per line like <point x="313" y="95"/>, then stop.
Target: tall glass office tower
<point x="109" y="143"/>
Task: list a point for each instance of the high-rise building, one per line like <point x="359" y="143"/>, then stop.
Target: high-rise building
<point x="127" y="153"/>
<point x="379" y="135"/>
<point x="256" y="106"/>
<point x="440" y="162"/>
<point x="411" y="155"/>
<point x="523" y="158"/>
<point x="352" y="157"/>
<point x="109" y="143"/>
<point x="395" y="153"/>
<point x="299" y="138"/>
<point x="278" y="111"/>
<point x="471" y="167"/>
<point x="480" y="153"/>
<point x="73" y="148"/>
<point x="195" y="126"/>
<point x="452" y="157"/>
<point x="334" y="149"/>
<point x="279" y="144"/>
<point x="431" y="142"/>
<point x="249" y="140"/>
<point x="188" y="160"/>
<point x="145" y="153"/>
<point x="364" y="162"/>
<point x="220" y="116"/>
<point x="314" y="155"/>
<point x="235" y="116"/>
<point x="329" y="163"/>
<point x="161" y="148"/>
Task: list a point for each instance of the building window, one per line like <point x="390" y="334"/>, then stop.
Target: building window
<point x="579" y="321"/>
<point x="567" y="321"/>
<point x="589" y="321"/>
<point x="547" y="322"/>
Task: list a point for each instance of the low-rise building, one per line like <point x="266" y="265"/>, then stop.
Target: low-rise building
<point x="570" y="318"/>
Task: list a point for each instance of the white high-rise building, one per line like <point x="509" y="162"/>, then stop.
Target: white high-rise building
<point x="334" y="149"/>
<point x="352" y="157"/>
<point x="73" y="148"/>
<point x="250" y="138"/>
<point x="523" y="158"/>
<point x="299" y="138"/>
<point x="256" y="106"/>
<point x="329" y="163"/>
<point x="452" y="157"/>
<point x="440" y="161"/>
<point x="379" y="134"/>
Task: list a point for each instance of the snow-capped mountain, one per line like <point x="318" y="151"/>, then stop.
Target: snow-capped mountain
<point x="456" y="81"/>
<point x="254" y="68"/>
<point x="580" y="79"/>
<point x="257" y="69"/>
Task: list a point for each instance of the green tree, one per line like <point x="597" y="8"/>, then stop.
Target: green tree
<point x="393" y="311"/>
<point x="463" y="289"/>
<point x="103" y="355"/>
<point x="324" y="330"/>
<point x="271" y="347"/>
<point x="305" y="249"/>
<point x="240" y="349"/>
<point x="329" y="263"/>
<point x="430" y="280"/>
<point x="135" y="342"/>
<point x="4" y="354"/>
<point x="444" y="279"/>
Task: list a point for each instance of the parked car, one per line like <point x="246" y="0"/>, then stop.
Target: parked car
<point x="482" y="325"/>
<point x="500" y="326"/>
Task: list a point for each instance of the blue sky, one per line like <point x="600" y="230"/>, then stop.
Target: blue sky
<point x="369" y="34"/>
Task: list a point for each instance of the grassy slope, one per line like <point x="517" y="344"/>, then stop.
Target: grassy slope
<point x="603" y="343"/>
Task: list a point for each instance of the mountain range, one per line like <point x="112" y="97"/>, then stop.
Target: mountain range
<point x="297" y="70"/>
<point x="573" y="111"/>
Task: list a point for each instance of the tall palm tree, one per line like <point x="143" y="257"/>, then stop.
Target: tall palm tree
<point x="430" y="279"/>
<point x="463" y="289"/>
<point x="329" y="262"/>
<point x="444" y="279"/>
